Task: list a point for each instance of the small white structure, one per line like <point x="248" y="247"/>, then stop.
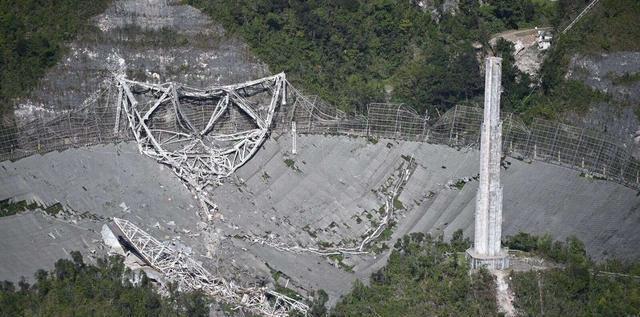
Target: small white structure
<point x="544" y="40"/>
<point x="487" y="250"/>
<point x="294" y="135"/>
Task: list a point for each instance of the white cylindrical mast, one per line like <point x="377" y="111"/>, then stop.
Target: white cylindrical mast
<point x="488" y="213"/>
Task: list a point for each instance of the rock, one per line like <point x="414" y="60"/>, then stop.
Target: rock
<point x="124" y="207"/>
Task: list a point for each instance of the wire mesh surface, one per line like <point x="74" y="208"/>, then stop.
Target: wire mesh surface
<point x="553" y="142"/>
<point x="549" y="141"/>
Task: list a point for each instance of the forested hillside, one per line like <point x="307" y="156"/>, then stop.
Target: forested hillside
<point x="352" y="53"/>
<point x="33" y="35"/>
<point x="576" y="286"/>
<point x="611" y="26"/>
<point x="355" y="52"/>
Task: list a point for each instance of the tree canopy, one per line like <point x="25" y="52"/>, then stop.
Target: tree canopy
<point x="423" y="277"/>
<point x="355" y="52"/>
<point x="32" y="38"/>
<point x="74" y="288"/>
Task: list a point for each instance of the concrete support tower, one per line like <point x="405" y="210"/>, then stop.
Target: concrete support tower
<point x="487" y="250"/>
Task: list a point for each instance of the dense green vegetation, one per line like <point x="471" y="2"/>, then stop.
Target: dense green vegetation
<point x="570" y="292"/>
<point x="612" y="25"/>
<point x="355" y="52"/>
<point x="424" y="277"/>
<point x="8" y="208"/>
<point x="578" y="287"/>
<point x="74" y="288"/>
<point x="32" y="38"/>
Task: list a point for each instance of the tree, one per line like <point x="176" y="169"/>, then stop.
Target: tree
<point x="80" y="289"/>
<point x="516" y="84"/>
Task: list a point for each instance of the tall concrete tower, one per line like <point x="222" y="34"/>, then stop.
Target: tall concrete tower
<point x="487" y="250"/>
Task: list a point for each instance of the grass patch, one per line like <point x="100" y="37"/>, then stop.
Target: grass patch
<point x="276" y="275"/>
<point x="387" y="232"/>
<point x="289" y="292"/>
<point x="379" y="248"/>
<point x="625" y="80"/>
<point x="8" y="208"/>
<point x="459" y="184"/>
<point x="339" y="258"/>
<point x="571" y="95"/>
<point x="291" y="164"/>
<point x="54" y="209"/>
<point x="397" y="204"/>
<point x="325" y="244"/>
<point x="593" y="176"/>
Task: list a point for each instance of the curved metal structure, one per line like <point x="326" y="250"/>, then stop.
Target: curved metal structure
<point x="203" y="134"/>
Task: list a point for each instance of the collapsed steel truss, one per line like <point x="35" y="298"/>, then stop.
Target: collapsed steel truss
<point x="203" y="134"/>
<point x="190" y="275"/>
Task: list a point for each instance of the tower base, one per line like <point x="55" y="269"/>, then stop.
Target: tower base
<point x="494" y="262"/>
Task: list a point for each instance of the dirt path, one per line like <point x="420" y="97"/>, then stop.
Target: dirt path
<point x="524" y="35"/>
<point x="504" y="295"/>
<point x="528" y="56"/>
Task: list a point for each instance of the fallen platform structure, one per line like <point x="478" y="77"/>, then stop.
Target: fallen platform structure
<point x="202" y="134"/>
<point x="178" y="267"/>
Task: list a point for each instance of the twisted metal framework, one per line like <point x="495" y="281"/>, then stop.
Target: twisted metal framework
<point x="190" y="129"/>
<point x="190" y="275"/>
<point x="203" y="134"/>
